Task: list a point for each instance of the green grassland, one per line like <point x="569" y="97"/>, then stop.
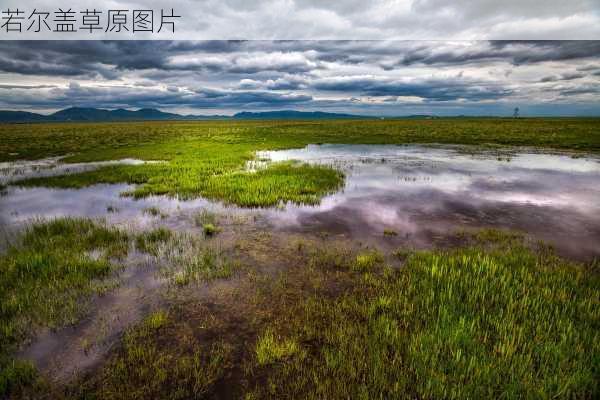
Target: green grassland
<point x="496" y="316"/>
<point x="208" y="158"/>
<point x="492" y="318"/>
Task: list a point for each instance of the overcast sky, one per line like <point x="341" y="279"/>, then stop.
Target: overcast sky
<point x="365" y="77"/>
<point x="347" y="19"/>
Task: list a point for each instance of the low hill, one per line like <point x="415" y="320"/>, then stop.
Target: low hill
<point x="81" y="114"/>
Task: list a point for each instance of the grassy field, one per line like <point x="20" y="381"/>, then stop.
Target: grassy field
<point x="491" y="318"/>
<point x="494" y="315"/>
<point x="207" y="158"/>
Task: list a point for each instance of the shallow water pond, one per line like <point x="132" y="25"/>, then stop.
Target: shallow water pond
<point x="416" y="193"/>
<point x="413" y="193"/>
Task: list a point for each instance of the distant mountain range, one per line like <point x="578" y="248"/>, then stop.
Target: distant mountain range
<point x="78" y="114"/>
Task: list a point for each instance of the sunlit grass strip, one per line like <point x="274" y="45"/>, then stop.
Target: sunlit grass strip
<point x="468" y="323"/>
<point x="270" y="348"/>
<point x="278" y="183"/>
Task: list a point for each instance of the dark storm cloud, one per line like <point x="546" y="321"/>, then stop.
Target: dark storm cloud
<point x="106" y="58"/>
<point x="581" y="90"/>
<point x="434" y="90"/>
<point x="546" y="50"/>
<point x="515" y="52"/>
<point x="590" y="67"/>
<point x="79" y="58"/>
<point x="38" y="67"/>
<point x="563" y="77"/>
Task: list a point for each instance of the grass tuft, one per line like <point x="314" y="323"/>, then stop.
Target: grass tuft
<point x="209" y="229"/>
<point x="206" y="264"/>
<point x="186" y="258"/>
<point x="157" y="319"/>
<point x="205" y="217"/>
<point x="271" y="348"/>
<point x="16" y="375"/>
<point x="367" y="261"/>
<point x="155" y="212"/>
<point x="149" y="242"/>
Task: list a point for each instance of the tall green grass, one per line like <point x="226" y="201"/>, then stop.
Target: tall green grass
<point x="270" y="348"/>
<point x="45" y="277"/>
<point x="468" y="323"/>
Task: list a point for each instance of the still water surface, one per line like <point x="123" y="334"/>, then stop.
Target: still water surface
<point x="419" y="192"/>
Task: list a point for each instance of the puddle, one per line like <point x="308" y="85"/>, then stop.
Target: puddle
<point x="141" y="286"/>
<point x="419" y="192"/>
<point x="52" y="166"/>
<point x="69" y="351"/>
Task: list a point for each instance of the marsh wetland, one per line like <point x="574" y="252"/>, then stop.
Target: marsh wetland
<point x="449" y="258"/>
